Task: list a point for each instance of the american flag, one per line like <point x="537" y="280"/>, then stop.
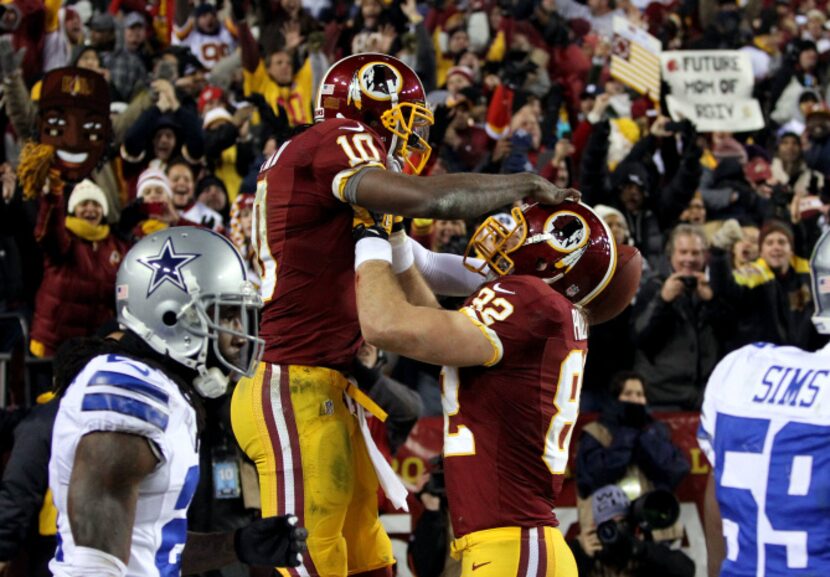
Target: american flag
<point x="121" y="292"/>
<point x="824" y="285"/>
<point x="635" y="58"/>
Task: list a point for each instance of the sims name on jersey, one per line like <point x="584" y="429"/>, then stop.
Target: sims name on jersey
<point x="795" y="387"/>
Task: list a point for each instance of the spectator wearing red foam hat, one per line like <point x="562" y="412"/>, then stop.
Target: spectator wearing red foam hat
<point x="210" y="98"/>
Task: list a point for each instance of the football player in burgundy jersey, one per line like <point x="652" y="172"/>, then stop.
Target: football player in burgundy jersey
<point x="292" y="418"/>
<point x="513" y="358"/>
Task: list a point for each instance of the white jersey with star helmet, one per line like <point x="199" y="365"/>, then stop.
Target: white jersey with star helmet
<point x="114" y="393"/>
<point x="765" y="427"/>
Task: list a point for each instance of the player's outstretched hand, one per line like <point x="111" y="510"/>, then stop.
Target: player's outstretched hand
<point x="273" y="541"/>
<point x="368" y="224"/>
<point x="549" y="193"/>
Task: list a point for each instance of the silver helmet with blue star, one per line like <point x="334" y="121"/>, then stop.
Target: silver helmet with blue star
<point x="183" y="288"/>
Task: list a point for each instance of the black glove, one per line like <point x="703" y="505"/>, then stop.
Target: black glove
<point x="366" y="377"/>
<point x="366" y="224"/>
<point x="273" y="541"/>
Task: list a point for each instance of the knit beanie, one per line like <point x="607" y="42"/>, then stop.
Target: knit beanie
<point x="771" y="226"/>
<point x="153" y="177"/>
<point x="87" y="190"/>
<point x="609" y="502"/>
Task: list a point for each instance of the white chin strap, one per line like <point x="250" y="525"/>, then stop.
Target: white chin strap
<point x="211" y="383"/>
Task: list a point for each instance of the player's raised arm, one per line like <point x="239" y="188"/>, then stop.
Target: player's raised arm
<point x="445" y="196"/>
<point x="426" y="334"/>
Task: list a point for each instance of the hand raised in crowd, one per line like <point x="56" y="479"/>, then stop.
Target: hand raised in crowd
<point x="501" y="150"/>
<point x="589" y="542"/>
<point x="562" y="150"/>
<point x="8" y="180"/>
<point x="600" y="106"/>
<point x="292" y="35"/>
<point x="410" y="10"/>
<point x="10" y="58"/>
<point x="658" y="129"/>
<point x="387" y="38"/>
<point x="167" y="95"/>
<point x="727" y="235"/>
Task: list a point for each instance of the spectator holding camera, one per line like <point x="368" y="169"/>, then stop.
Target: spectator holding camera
<point x="677" y="324"/>
<point x="616" y="546"/>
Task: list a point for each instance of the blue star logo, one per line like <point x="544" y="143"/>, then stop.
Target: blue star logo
<point x="167" y="266"/>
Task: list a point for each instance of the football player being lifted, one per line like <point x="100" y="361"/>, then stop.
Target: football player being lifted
<point x="513" y="360"/>
<point x="368" y="144"/>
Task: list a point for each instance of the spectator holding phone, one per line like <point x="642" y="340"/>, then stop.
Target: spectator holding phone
<point x="153" y="210"/>
<point x="676" y="324"/>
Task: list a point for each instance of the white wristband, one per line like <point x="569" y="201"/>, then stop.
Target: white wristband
<point x="402" y="257"/>
<point x="91" y="562"/>
<point x="372" y="249"/>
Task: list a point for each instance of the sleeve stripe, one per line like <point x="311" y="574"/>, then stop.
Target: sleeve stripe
<point x="125" y="406"/>
<point x="491" y="335"/>
<point x="129" y="383"/>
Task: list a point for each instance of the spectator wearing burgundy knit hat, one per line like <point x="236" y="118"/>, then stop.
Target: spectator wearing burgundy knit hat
<point x="771" y="296"/>
<point x="81" y="258"/>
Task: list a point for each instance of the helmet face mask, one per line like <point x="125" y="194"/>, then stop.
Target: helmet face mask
<point x="384" y="93"/>
<point x="820" y="281"/>
<point x="183" y="288"/>
<point x="568" y="246"/>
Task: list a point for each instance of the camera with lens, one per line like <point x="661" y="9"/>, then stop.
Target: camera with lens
<point x="689" y="282"/>
<point x="658" y="509"/>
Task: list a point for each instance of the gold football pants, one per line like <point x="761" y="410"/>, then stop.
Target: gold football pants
<point x="294" y="423"/>
<point x="515" y="551"/>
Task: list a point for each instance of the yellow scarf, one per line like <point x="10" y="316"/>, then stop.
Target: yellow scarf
<point x="152" y="225"/>
<point x="82" y="228"/>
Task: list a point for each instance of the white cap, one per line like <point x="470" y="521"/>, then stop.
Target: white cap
<point x="153" y="177"/>
<point x="215" y="115"/>
<point x="87" y="190"/>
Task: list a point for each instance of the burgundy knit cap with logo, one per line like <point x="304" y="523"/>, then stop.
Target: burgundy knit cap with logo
<point x="73" y="87"/>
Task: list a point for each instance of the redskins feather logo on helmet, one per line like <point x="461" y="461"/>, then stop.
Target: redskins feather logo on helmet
<point x="568" y="246"/>
<point x="386" y="95"/>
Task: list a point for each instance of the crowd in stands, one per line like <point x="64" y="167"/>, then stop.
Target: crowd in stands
<point x="202" y="93"/>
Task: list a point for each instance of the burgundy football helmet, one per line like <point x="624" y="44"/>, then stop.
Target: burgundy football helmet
<point x="568" y="246"/>
<point x="385" y="94"/>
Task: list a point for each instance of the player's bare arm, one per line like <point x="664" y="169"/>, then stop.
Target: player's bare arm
<point x="452" y="195"/>
<point x="103" y="490"/>
<point x="426" y="334"/>
<point x="416" y="290"/>
<point x="713" y="529"/>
